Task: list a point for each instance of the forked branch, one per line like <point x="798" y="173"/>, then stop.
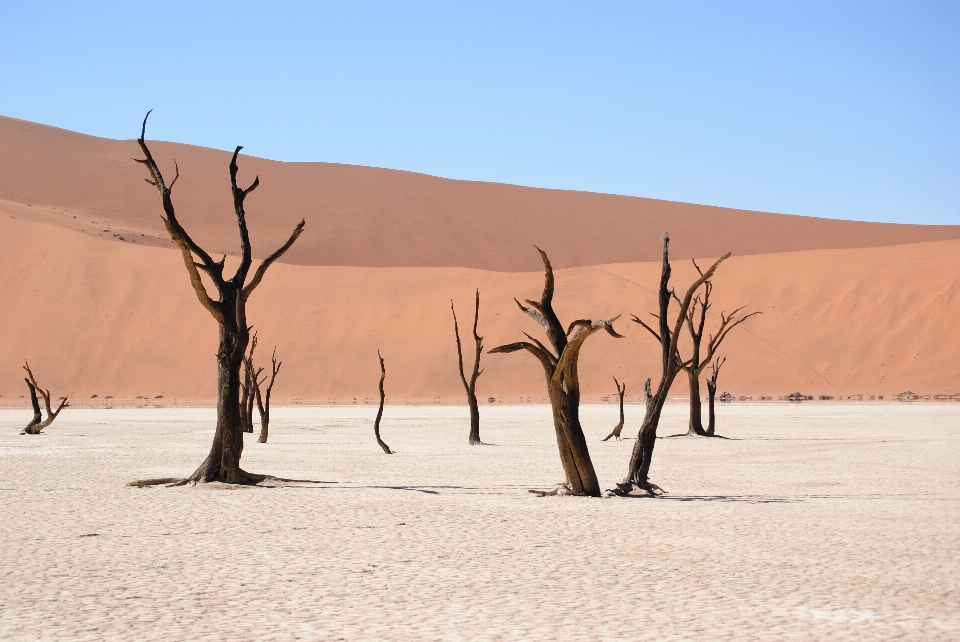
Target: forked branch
<point x="376" y="424"/>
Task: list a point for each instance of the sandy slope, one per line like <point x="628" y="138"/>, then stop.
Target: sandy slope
<point x="110" y="318"/>
<point x="799" y="528"/>
<point x="363" y="216"/>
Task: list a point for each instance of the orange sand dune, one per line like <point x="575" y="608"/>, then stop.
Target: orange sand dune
<point x="99" y="317"/>
<point x="368" y="217"/>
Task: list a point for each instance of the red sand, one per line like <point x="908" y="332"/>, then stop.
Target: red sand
<point x="863" y="309"/>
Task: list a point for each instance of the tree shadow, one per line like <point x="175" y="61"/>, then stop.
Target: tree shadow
<point x="686" y="434"/>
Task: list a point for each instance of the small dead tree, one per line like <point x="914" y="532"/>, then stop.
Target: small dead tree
<point x="712" y="395"/>
<point x="616" y="430"/>
<point x="642" y="454"/>
<point x="263" y="401"/>
<point x="471" y="386"/>
<point x="222" y="464"/>
<point x="696" y="320"/>
<point x="37" y="423"/>
<point x="563" y="383"/>
<point x="376" y="423"/>
<point x="249" y="387"/>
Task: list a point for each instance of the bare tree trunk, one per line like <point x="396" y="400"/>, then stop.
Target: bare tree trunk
<point x="642" y="454"/>
<point x="619" y="427"/>
<point x="264" y="404"/>
<point x="471" y="386"/>
<point x="563" y="384"/>
<point x="245" y="395"/>
<point x="696" y="418"/>
<point x="37" y="425"/>
<point x="712" y="395"/>
<point x="37" y="417"/>
<point x="376" y="424"/>
<point x="222" y="463"/>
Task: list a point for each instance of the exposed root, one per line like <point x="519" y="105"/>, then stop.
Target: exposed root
<point x="559" y="489"/>
<point x="246" y="479"/>
<point x="629" y="489"/>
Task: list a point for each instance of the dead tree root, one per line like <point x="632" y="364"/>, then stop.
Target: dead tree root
<point x="246" y="479"/>
<point x="629" y="489"/>
<point x="561" y="490"/>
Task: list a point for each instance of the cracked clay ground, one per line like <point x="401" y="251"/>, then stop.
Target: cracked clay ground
<point x="813" y="522"/>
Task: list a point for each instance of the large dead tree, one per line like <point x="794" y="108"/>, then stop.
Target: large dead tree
<point x="563" y="383"/>
<point x="229" y="309"/>
<point x="696" y="320"/>
<point x="263" y="401"/>
<point x="376" y="423"/>
<point x="471" y="386"/>
<point x="668" y="337"/>
<point x="712" y="395"/>
<point x="38" y="423"/>
<point x="621" y="389"/>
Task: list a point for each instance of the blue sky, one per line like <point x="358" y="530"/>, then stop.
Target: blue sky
<point x="833" y="109"/>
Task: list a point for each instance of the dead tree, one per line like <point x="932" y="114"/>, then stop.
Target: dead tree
<point x="647" y="393"/>
<point x="640" y="457"/>
<point x="695" y="320"/>
<point x="263" y="401"/>
<point x="248" y="388"/>
<point x="376" y="424"/>
<point x="471" y="386"/>
<point x="563" y="383"/>
<point x="37" y="423"/>
<point x="711" y="396"/>
<point x="37" y="417"/>
<point x="616" y="431"/>
<point x="222" y="464"/>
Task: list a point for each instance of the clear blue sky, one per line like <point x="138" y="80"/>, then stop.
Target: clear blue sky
<point x="833" y="109"/>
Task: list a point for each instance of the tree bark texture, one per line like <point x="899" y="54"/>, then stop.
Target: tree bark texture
<point x="471" y="386"/>
<point x="222" y="463"/>
<point x="621" y="389"/>
<point x="563" y="384"/>
<point x="711" y="397"/>
<point x="642" y="454"/>
<point x="263" y="402"/>
<point x="38" y="424"/>
<point x="376" y="423"/>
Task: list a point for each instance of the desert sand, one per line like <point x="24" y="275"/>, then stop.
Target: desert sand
<point x="813" y="522"/>
<point x="101" y="305"/>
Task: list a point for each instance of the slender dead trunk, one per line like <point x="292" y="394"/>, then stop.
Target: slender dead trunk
<point x="563" y="384"/>
<point x="619" y="427"/>
<point x="37" y="417"/>
<point x="471" y="386"/>
<point x="376" y="423"/>
<point x="642" y="454"/>
<point x="222" y="463"/>
<point x="695" y="426"/>
<point x="264" y="403"/>
<point x="712" y="395"/>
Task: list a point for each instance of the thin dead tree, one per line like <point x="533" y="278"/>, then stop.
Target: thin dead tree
<point x="471" y="386"/>
<point x="249" y="387"/>
<point x="696" y="320"/>
<point x="263" y="401"/>
<point x="376" y="423"/>
<point x="712" y="395"/>
<point x="563" y="383"/>
<point x="37" y="424"/>
<point x="616" y="430"/>
<point x="642" y="454"/>
<point x="222" y="464"/>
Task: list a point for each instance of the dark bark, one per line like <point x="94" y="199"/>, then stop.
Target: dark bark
<point x="263" y="402"/>
<point x="471" y="386"/>
<point x="38" y="424"/>
<point x="712" y="395"/>
<point x="695" y="426"/>
<point x="621" y="389"/>
<point x="563" y="384"/>
<point x="249" y="388"/>
<point x="642" y="454"/>
<point x="222" y="463"/>
<point x="37" y="417"/>
<point x="376" y="423"/>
